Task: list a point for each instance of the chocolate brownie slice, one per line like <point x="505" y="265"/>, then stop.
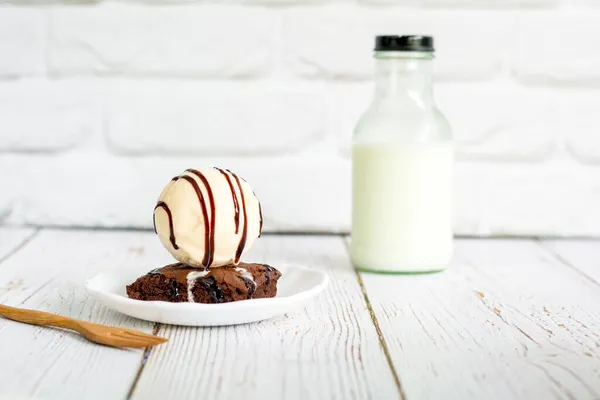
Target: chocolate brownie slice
<point x="180" y="283"/>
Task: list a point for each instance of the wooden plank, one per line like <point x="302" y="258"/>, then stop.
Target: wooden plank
<point x="580" y="255"/>
<point x="49" y="274"/>
<point x="329" y="350"/>
<point x="507" y="320"/>
<point x="12" y="239"/>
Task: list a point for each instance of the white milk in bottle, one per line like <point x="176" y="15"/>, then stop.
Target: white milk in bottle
<point x="402" y="159"/>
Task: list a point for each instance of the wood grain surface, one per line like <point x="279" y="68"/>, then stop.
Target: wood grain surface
<point x="507" y="320"/>
<point x="329" y="350"/>
<point x="49" y="275"/>
<point x="13" y="240"/>
<point x="516" y="319"/>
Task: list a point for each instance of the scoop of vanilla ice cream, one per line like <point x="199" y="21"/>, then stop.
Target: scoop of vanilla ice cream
<point x="207" y="217"/>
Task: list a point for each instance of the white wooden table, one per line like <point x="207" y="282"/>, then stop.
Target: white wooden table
<point x="511" y="319"/>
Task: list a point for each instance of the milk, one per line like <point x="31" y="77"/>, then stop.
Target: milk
<point x="402" y="166"/>
<point x="402" y="207"/>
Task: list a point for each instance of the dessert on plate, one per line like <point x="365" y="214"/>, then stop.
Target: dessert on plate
<point x="207" y="218"/>
<point x="181" y="283"/>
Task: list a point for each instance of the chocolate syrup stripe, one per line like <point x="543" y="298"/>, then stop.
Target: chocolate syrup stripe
<point x="242" y="243"/>
<point x="206" y="261"/>
<point x="259" y="214"/>
<point x="261" y="219"/>
<point x="213" y="213"/>
<point x="164" y="206"/>
<point x="236" y="205"/>
<point x="209" y="228"/>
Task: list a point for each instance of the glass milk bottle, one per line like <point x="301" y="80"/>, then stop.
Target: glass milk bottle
<point x="402" y="158"/>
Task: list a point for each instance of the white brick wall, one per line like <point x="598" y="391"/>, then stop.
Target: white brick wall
<point x="559" y="47"/>
<point x="579" y="111"/>
<point x="166" y="117"/>
<point x="21" y="42"/>
<point x="336" y="41"/>
<point x="39" y="115"/>
<point x="102" y="102"/>
<point x="160" y="40"/>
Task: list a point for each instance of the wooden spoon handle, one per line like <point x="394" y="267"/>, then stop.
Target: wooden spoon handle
<point x="37" y="317"/>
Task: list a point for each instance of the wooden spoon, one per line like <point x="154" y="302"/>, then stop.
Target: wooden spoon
<point x="107" y="335"/>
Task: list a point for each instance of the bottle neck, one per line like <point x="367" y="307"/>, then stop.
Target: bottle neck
<point x="402" y="74"/>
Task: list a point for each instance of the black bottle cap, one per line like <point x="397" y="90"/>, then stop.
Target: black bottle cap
<point x="404" y="43"/>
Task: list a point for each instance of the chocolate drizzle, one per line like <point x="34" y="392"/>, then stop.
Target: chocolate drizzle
<point x="209" y="252"/>
<point x="236" y="205"/>
<point x="268" y="270"/>
<point x="250" y="286"/>
<point x="164" y="206"/>
<point x="260" y="214"/>
<point x="210" y="220"/>
<point x="242" y="243"/>
<point x="206" y="261"/>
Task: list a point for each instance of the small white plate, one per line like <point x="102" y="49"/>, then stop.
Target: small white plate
<point x="296" y="286"/>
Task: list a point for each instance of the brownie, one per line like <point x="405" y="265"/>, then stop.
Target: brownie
<point x="180" y="283"/>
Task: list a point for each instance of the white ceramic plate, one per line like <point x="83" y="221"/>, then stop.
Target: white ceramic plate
<point x="295" y="288"/>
